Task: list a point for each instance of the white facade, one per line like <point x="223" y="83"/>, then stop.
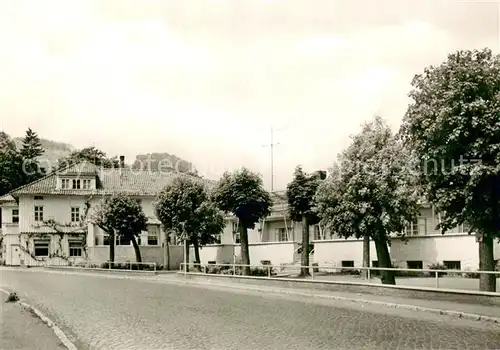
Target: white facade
<point x="27" y="239"/>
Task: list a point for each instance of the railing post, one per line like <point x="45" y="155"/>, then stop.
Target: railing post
<point x="130" y="266"/>
<point x="437" y="279"/>
<point x="368" y="274"/>
<point x="312" y="272"/>
<point x="268" y="271"/>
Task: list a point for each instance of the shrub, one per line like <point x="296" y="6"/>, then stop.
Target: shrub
<point x="438" y="266"/>
<point x="13" y="297"/>
<point x="410" y="274"/>
<point x="262" y="271"/>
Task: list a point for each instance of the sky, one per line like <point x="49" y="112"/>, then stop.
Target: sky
<point x="207" y="80"/>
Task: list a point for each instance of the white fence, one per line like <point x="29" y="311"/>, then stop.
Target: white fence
<point x="458" y="280"/>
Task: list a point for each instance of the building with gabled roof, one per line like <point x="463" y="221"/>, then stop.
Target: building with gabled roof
<point x="44" y="221"/>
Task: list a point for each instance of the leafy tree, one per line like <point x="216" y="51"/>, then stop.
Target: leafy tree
<point x="11" y="165"/>
<point x="300" y="195"/>
<point x="183" y="206"/>
<point x="91" y="155"/>
<point x="242" y="193"/>
<point x="453" y="126"/>
<point x="370" y="191"/>
<point x="123" y="215"/>
<point x="30" y="151"/>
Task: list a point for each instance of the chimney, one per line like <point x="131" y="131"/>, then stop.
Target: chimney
<point x="122" y="162"/>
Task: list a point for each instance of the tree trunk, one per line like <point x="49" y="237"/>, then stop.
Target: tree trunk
<point x="137" y="250"/>
<point x="197" y="255"/>
<point x="112" y="241"/>
<point x="166" y="258"/>
<point x="304" y="256"/>
<point x="245" y="254"/>
<point x="487" y="282"/>
<point x="186" y="255"/>
<point x="366" y="255"/>
<point x="384" y="260"/>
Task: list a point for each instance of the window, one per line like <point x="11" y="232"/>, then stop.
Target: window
<point x="38" y="198"/>
<point x="86" y="184"/>
<point x="38" y="213"/>
<point x="76" y="184"/>
<point x="415" y="264"/>
<point x="75" y="214"/>
<point x="41" y="247"/>
<point x="236" y="237"/>
<point x="464" y="228"/>
<point x="15" y="216"/>
<point x="122" y="240"/>
<point x="236" y="233"/>
<point x="452" y="264"/>
<point x="317" y="233"/>
<point x="153" y="234"/>
<point x="348" y="263"/>
<point x="75" y="247"/>
<point x="281" y="234"/>
<point x="418" y="227"/>
<point x="65" y="184"/>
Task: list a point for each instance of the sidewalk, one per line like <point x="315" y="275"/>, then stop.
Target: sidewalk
<point x="409" y="303"/>
<point x="20" y="330"/>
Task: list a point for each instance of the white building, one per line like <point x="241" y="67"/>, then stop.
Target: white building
<point x="44" y="222"/>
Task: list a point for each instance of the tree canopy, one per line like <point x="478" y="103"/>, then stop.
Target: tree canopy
<point x="370" y="191"/>
<point x="184" y="207"/>
<point x="242" y="193"/>
<point x="19" y="167"/>
<point x="32" y="147"/>
<point x="123" y="215"/>
<point x="300" y="195"/>
<point x="453" y="126"/>
<point x="92" y="155"/>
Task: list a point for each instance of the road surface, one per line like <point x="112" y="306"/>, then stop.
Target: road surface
<point x="114" y="313"/>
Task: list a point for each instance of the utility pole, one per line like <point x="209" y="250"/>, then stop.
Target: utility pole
<point x="272" y="144"/>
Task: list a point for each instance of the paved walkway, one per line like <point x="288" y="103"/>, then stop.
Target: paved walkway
<point x="20" y="330"/>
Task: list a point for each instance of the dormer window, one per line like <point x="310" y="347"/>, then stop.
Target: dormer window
<point x="76" y="184"/>
<point x="86" y="184"/>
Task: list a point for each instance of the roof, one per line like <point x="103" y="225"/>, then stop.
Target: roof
<point x="7" y="198"/>
<point x="110" y="181"/>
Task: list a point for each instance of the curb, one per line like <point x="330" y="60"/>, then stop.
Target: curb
<point x="458" y="314"/>
<point x="58" y="332"/>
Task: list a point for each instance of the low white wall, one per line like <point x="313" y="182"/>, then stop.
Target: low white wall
<point x="435" y="249"/>
<point x="99" y="255"/>
<point x="276" y="252"/>
<point x="220" y="253"/>
<point x="428" y="249"/>
<point x="333" y="252"/>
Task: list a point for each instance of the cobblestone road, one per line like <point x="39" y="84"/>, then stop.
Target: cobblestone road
<point x="111" y="313"/>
